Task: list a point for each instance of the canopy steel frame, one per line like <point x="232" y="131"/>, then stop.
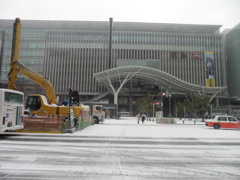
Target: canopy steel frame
<point x="157" y="77"/>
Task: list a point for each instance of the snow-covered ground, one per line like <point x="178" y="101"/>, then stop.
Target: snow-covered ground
<point x="123" y="149"/>
<point x="128" y="127"/>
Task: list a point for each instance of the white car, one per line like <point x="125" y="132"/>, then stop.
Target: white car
<point x="223" y="121"/>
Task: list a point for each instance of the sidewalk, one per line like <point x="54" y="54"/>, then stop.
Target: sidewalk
<point x="133" y="120"/>
<point x="129" y="127"/>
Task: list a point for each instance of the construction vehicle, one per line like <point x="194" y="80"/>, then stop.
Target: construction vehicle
<point x="97" y="112"/>
<point x="38" y="105"/>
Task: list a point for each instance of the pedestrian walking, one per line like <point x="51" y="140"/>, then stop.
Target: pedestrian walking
<point x="143" y="117"/>
<point x="138" y="118"/>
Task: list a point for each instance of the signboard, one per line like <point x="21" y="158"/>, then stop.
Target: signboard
<point x="210" y="74"/>
<point x="196" y="55"/>
<point x="210" y="82"/>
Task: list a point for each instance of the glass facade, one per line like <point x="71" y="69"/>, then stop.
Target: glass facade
<point x="32" y="50"/>
<point x="179" y="54"/>
<point x="68" y="53"/>
<point x="233" y="61"/>
<point x="72" y="57"/>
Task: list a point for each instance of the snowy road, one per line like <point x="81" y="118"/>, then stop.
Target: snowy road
<point x="122" y="149"/>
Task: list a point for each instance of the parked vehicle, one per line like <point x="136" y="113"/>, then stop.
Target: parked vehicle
<point x="223" y="121"/>
<point x="11" y="110"/>
<point x="97" y="112"/>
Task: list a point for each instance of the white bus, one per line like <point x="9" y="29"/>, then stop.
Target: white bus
<point x="11" y="110"/>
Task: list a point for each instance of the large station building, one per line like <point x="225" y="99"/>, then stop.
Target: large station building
<point x="96" y="58"/>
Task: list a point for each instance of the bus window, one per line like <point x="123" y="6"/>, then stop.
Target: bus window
<point x="12" y="98"/>
<point x="11" y="110"/>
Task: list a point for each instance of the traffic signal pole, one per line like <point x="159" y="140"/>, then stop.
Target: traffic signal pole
<point x="153" y="110"/>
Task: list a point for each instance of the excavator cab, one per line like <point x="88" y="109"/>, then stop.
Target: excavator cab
<point x="33" y="103"/>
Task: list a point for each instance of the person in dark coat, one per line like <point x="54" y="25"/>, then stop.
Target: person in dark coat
<point x="143" y="117"/>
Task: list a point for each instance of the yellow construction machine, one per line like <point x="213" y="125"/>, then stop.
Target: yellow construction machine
<point x="39" y="105"/>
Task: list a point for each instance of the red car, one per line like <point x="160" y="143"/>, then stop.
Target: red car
<point x="223" y="121"/>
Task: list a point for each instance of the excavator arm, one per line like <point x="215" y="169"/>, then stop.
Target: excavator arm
<point x="16" y="67"/>
<point x="12" y="75"/>
<point x="40" y="80"/>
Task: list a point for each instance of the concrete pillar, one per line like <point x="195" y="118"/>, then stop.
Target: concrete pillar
<point x="130" y="97"/>
<point x="217" y="102"/>
<point x="116" y="103"/>
<point x="115" y="97"/>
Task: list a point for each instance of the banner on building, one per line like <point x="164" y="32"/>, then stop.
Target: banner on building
<point x="210" y="82"/>
<point x="196" y="55"/>
<point x="210" y="74"/>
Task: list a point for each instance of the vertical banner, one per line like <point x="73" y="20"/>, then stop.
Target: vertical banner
<point x="210" y="76"/>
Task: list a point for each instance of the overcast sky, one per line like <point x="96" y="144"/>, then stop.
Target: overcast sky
<point x="217" y="12"/>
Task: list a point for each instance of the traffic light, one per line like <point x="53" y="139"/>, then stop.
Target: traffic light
<point x="157" y="103"/>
